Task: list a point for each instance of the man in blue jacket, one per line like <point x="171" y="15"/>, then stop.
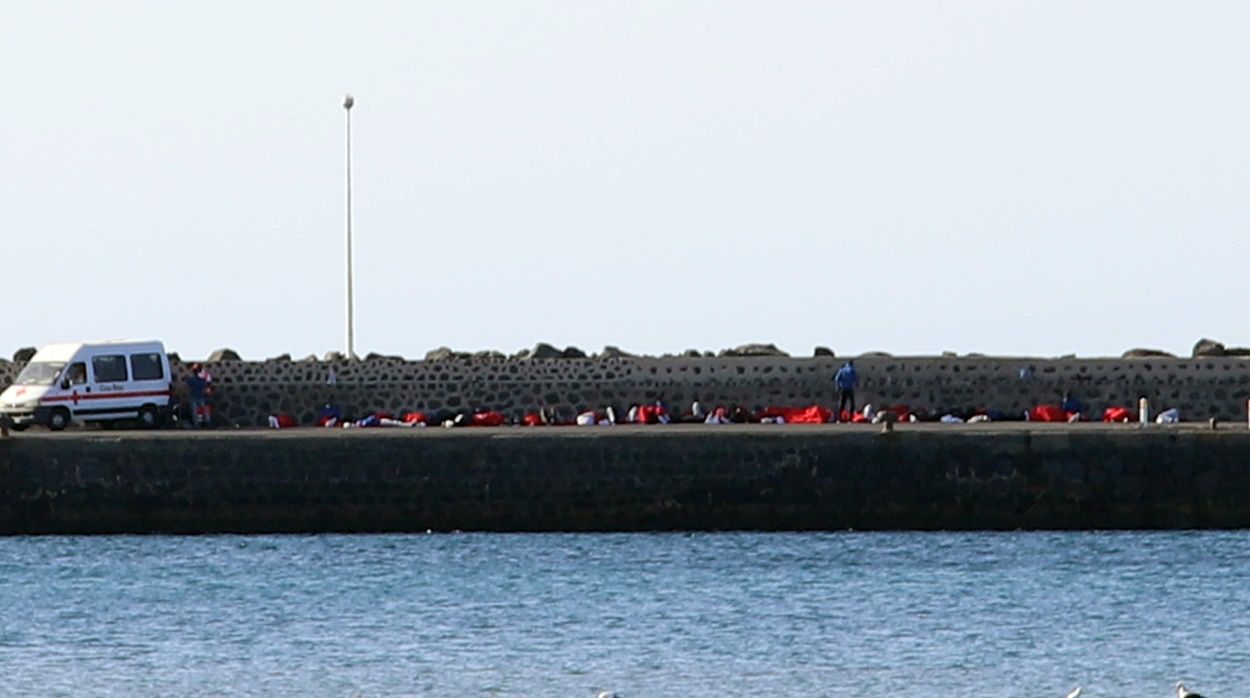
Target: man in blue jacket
<point x="197" y="390"/>
<point x="846" y="380"/>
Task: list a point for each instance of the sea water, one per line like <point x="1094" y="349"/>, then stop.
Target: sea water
<point x="706" y="614"/>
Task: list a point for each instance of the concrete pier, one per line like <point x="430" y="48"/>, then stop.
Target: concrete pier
<point x="759" y="477"/>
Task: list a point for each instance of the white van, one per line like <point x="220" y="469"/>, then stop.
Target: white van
<point x="91" y="382"/>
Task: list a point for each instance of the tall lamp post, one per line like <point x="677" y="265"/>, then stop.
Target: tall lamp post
<point x="348" y="102"/>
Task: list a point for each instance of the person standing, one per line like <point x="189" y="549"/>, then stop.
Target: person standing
<point x="845" y="380"/>
<point x="1074" y="407"/>
<point x="197" y="390"/>
<point x="208" y="395"/>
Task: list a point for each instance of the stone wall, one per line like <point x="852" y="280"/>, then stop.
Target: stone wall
<point x="626" y="479"/>
<point x="248" y="391"/>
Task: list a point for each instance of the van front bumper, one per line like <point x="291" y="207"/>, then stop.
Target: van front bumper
<point x="25" y="415"/>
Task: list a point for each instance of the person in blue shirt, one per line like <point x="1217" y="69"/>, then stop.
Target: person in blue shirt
<point x="845" y="380"/>
<point x="1071" y="405"/>
<point x="329" y="416"/>
<point x="197" y="390"/>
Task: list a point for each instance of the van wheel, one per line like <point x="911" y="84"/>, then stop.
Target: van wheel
<point x="19" y="427"/>
<point x="147" y="417"/>
<point x="58" y="419"/>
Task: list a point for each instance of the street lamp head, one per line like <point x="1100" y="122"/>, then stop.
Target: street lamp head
<point x="348" y="101"/>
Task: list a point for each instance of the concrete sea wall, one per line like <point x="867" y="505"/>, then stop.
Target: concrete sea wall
<point x="248" y="391"/>
<point x="626" y="479"/>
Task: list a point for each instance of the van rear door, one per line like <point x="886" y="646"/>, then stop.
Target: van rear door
<point x="149" y="376"/>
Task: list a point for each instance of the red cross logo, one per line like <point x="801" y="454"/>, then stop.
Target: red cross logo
<point x="74" y="396"/>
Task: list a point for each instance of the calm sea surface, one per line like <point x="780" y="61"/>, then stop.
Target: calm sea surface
<point x="914" y="614"/>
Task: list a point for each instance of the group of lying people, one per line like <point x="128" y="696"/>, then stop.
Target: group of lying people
<point x="330" y="416"/>
<point x="1071" y="409"/>
<point x="1068" y="410"/>
<point x="654" y="413"/>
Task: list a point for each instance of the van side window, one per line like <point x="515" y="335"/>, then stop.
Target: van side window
<point x="146" y="367"/>
<point x="109" y="368"/>
<point x="76" y="374"/>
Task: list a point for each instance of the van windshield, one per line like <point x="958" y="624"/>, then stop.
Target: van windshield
<point x="39" y="373"/>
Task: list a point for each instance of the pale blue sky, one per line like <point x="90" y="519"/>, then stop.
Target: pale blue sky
<point x="1001" y="177"/>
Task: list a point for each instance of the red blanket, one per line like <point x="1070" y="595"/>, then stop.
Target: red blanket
<point x="533" y="419"/>
<point x="650" y="414"/>
<point x="1048" y="413"/>
<point x="1118" y="414"/>
<point x="489" y="419"/>
<point x="799" y="415"/>
<point x="416" y="418"/>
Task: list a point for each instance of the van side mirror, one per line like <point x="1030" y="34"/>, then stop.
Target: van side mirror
<point x="65" y="383"/>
